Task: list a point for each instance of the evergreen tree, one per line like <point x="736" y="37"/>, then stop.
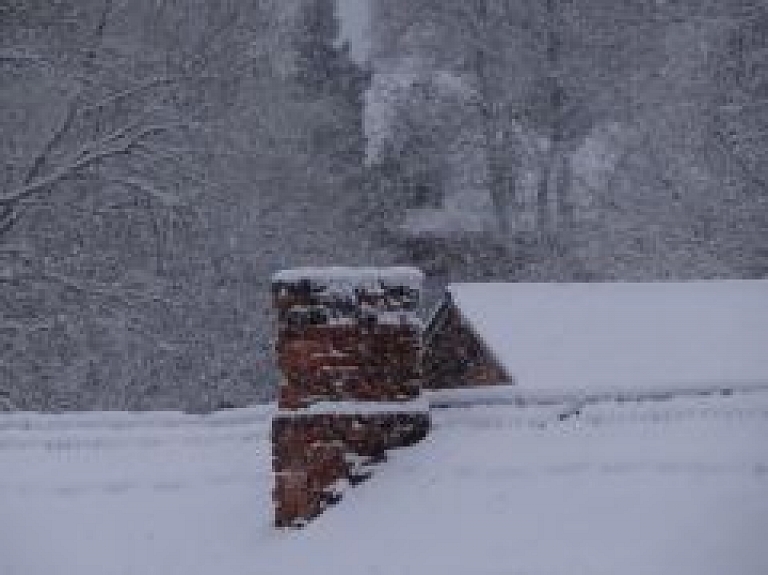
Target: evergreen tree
<point x="315" y="46"/>
<point x="332" y="79"/>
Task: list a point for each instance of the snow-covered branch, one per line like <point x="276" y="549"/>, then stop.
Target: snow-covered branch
<point x="5" y="402"/>
<point x="53" y="141"/>
<point x="20" y="56"/>
<point x="121" y="292"/>
<point x="123" y="95"/>
<point x="120" y="142"/>
<point x="147" y="188"/>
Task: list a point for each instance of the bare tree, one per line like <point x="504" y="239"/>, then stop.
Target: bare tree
<point x="92" y="129"/>
<point x="177" y="162"/>
<point x="741" y="116"/>
<point x="530" y="65"/>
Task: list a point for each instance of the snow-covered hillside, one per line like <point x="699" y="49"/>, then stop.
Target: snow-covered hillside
<point x="637" y="488"/>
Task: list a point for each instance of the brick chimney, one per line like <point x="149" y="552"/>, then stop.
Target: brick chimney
<point x="349" y="350"/>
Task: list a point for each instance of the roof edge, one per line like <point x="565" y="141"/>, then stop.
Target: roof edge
<point x="482" y="341"/>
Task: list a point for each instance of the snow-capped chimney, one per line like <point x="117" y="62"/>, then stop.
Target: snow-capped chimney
<point x="349" y="350"/>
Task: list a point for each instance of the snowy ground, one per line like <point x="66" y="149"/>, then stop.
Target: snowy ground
<point x="676" y="487"/>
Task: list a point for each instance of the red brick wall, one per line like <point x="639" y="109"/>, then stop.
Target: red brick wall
<point x="348" y="343"/>
<point x="311" y="453"/>
<point x="454" y="356"/>
<point x="348" y="362"/>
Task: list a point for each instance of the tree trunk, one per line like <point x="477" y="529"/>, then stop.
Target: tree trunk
<point x="562" y="192"/>
<point x="501" y="187"/>
<point x="500" y="154"/>
<point x="555" y="170"/>
<point x="544" y="220"/>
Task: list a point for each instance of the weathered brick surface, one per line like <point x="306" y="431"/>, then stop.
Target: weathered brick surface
<point x="318" y="299"/>
<point x="310" y="454"/>
<point x="367" y="434"/>
<point x="342" y="385"/>
<point x="293" y="499"/>
<point x="339" y="341"/>
<point x="349" y="363"/>
<point x="454" y="356"/>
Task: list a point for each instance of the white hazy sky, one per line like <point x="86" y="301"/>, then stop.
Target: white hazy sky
<point x="355" y="25"/>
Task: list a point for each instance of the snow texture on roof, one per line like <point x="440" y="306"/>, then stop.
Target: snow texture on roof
<point x="514" y="395"/>
<point x="418" y="405"/>
<point x="676" y="487"/>
<point x="618" y="336"/>
<point x="358" y="276"/>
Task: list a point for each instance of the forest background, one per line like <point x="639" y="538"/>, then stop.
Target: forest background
<point x="160" y="159"/>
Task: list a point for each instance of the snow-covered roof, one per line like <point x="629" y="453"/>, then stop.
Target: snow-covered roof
<point x="416" y="405"/>
<point x="676" y="487"/>
<point x="358" y="276"/>
<point x="596" y="337"/>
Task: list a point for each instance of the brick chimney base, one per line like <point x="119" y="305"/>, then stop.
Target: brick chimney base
<point x="315" y="455"/>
